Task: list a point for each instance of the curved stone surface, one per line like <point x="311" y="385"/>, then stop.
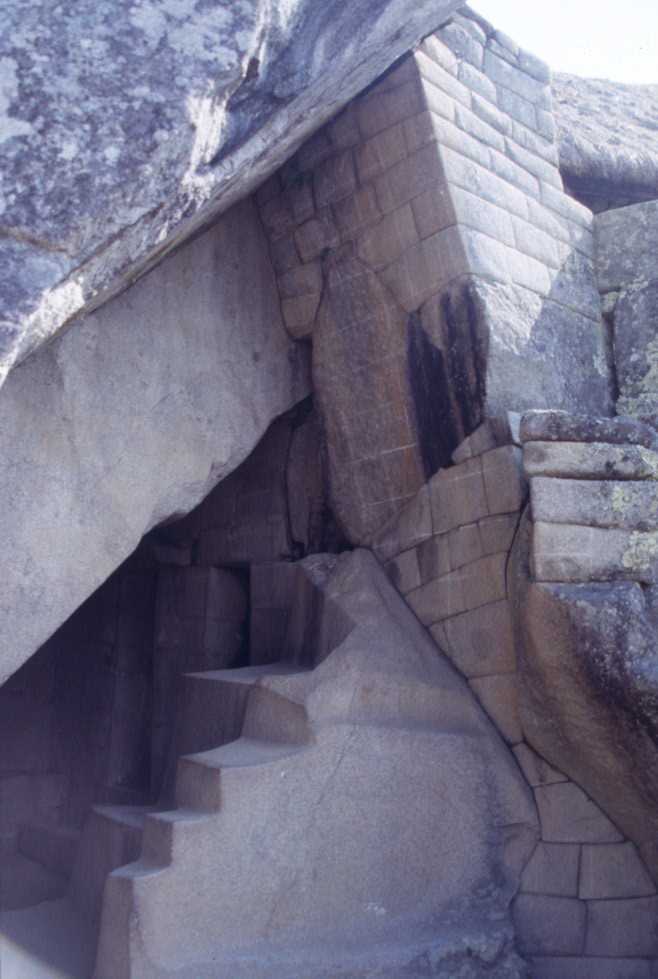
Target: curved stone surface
<point x="132" y="417"/>
<point x="608" y="140"/>
<point x="125" y="127"/>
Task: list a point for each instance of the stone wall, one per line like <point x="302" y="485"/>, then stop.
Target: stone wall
<point x="587" y="904"/>
<point x="424" y="244"/>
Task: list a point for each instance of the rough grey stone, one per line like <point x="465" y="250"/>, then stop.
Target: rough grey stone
<point x="561" y="426"/>
<point x="135" y="425"/>
<point x="573" y="552"/>
<point x="589" y="460"/>
<point x="637" y="227"/>
<point x="608" y="140"/>
<point x="595" y="503"/>
<point x="636" y="349"/>
<point x="126" y="129"/>
<point x="584" y="967"/>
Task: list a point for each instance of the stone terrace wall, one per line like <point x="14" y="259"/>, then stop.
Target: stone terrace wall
<point x="423" y="242"/>
<point x="587" y="905"/>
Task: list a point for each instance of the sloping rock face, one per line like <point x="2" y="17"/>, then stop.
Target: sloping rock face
<point x="131" y="418"/>
<point x="626" y="243"/>
<point x="125" y="127"/>
<point x="608" y="140"/>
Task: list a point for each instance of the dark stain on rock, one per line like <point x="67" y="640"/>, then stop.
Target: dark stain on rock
<point x="431" y="398"/>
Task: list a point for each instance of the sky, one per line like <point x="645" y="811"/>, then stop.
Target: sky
<point x="615" y="39"/>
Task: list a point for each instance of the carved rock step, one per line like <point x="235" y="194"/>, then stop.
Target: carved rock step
<point x="51" y="846"/>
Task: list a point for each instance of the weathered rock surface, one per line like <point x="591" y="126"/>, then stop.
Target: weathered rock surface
<point x="124" y="128"/>
<point x="132" y="417"/>
<point x="608" y="140"/>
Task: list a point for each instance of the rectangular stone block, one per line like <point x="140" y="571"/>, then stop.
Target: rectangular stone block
<point x="479" y="214"/>
<point x="438" y="599"/>
<point x="593" y="460"/>
<point x="567" y="552"/>
<point x="566" y="206"/>
<point x="623" y="928"/>
<point x="476" y="179"/>
<point x="284" y="255"/>
<point x="613" y="870"/>
<point x="299" y="196"/>
<point x="434" y="210"/>
<point x="464" y="545"/>
<point x="567" y="815"/>
<point x="384" y="242"/>
<point x="313" y="237"/>
<point x="449" y="134"/>
<point x="503" y="479"/>
<point x="552" y="869"/>
<point x="440" y="53"/>
<point x="549" y="925"/>
<point x="536" y="143"/>
<point x="422" y="270"/>
<point x="358" y="211"/>
<point x="477" y="81"/>
<point x="458" y="496"/>
<point x="481" y="640"/>
<point x="469" y="49"/>
<point x="343" y="131"/>
<point x="382" y="109"/>
<point x="595" y="503"/>
<point x="561" y="426"/>
<point x="510" y="77"/>
<point x="404" y="571"/>
<point x="517" y="107"/>
<point x="484" y="581"/>
<point x="531" y="241"/>
<point x="529" y="273"/>
<point x="547" y="173"/>
<point x="407" y="179"/>
<point x="486" y="110"/>
<point x="436" y="75"/>
<point x="411" y="526"/>
<point x="499" y="696"/>
<point x="434" y="558"/>
<point x="381" y="152"/>
<point x="335" y="178"/>
<point x="497" y="533"/>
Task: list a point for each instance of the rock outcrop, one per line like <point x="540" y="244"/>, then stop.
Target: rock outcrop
<point x="126" y="127"/>
<point x="132" y="417"/>
<point x="608" y="140"/>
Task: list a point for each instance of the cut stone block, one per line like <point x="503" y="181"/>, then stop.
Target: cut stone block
<point x="613" y="870"/>
<point x="567" y="815"/>
<point x="464" y="545"/>
<point x="410" y="527"/>
<point x="583" y="967"/>
<point x="593" y="460"/>
<point x="384" y="242"/>
<point x="623" y="928"/>
<point x="553" y="870"/>
<point x="470" y="587"/>
<point x="434" y="558"/>
<point x="458" y="496"/>
<point x="500" y="698"/>
<point x="560" y="426"/>
<point x="376" y="155"/>
<point x="384" y="108"/>
<point x="595" y="503"/>
<point x="536" y="770"/>
<point x="497" y="533"/>
<point x="567" y="552"/>
<point x="335" y="179"/>
<point x="481" y="641"/>
<point x="549" y="925"/>
<point x="503" y="479"/>
<point x="404" y="572"/>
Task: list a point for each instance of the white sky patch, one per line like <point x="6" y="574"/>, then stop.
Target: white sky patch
<point x="591" y="38"/>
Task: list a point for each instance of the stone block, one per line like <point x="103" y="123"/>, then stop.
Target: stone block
<point x="299" y="196"/>
<point x="582" y="967"/>
<point x="534" y="67"/>
<point x="568" y="552"/>
<point x="316" y="235"/>
<point x="434" y="210"/>
<point x="303" y="280"/>
<point x="404" y="571"/>
<point x="535" y="143"/>
<point x="441" y="53"/>
<point x="485" y="256"/>
<point x="589" y="460"/>
<point x="357" y="211"/>
<point x="561" y="426"/>
<point x="468" y="49"/>
<point x="499" y="697"/>
<point x="613" y="870"/>
<point x="476" y="213"/>
<point x="384" y="242"/>
<point x="476" y="127"/>
<point x="510" y="171"/>
<point x="299" y="315"/>
<point x="438" y="599"/>
<point x="546" y="172"/>
<point x="314" y="151"/>
<point x="595" y="503"/>
<point x="283" y="253"/>
<point x="487" y="111"/>
<point x="382" y="109"/>
<point x="268" y="189"/>
<point x="483" y="439"/>
<point x="434" y="558"/>
<point x="481" y="641"/>
<point x="549" y="925"/>
<point x="568" y="208"/>
<point x="567" y="815"/>
<point x="497" y="533"/>
<point x="503" y="479"/>
<point x="636" y="226"/>
<point x="553" y="870"/>
<point x="409" y="178"/>
<point x="531" y="241"/>
<point x="436" y="75"/>
<point x="536" y="770"/>
<point x="335" y="178"/>
<point x="425" y="268"/>
<point x="449" y="134"/>
<point x="529" y="273"/>
<point x="503" y="73"/>
<point x="464" y="545"/>
<point x="381" y="152"/>
<point x="343" y="131"/>
<point x="277" y="217"/>
<point x="517" y="107"/>
<point x="484" y="581"/>
<point x="478" y="82"/>
<point x="623" y="928"/>
<point x="480" y="180"/>
<point x="406" y="529"/>
<point x="458" y="496"/>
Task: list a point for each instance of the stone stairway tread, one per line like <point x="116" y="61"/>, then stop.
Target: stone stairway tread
<point x="249" y="674"/>
<point x="244" y="753"/>
<point x="132" y="817"/>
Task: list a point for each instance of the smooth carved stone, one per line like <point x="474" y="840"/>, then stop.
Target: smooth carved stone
<point x="553" y="870"/>
<point x="593" y="503"/>
<point x="568" y="816"/>
<point x="536" y="769"/>
<point x="593" y="460"/>
<point x="560" y="426"/>
<point x="623" y="928"/>
<point x="613" y="870"/>
<point x="480" y="642"/>
<point x="549" y="925"/>
<point x="499" y="696"/>
<point x="209" y="100"/>
<point x="584" y="967"/>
